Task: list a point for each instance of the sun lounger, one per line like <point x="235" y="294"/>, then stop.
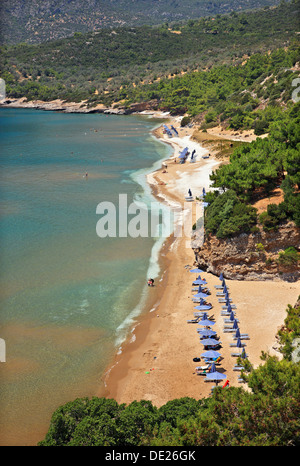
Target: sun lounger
<point x="189" y="198"/>
<point x="228" y="321"/>
<point x="229" y="330"/>
<point x="204" y="289"/>
<point x="241" y="380"/>
<point x="225" y="313"/>
<point x="234" y="344"/>
<point x="238" y="368"/>
<point x="233" y="306"/>
<point x="193" y="321"/>
<point x="243" y="336"/>
<point x="203" y="368"/>
<point x="211" y="360"/>
<point x="236" y="355"/>
<point x="221" y="300"/>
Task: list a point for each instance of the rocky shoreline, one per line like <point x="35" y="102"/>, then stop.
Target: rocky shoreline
<point x="251" y="256"/>
<point x="59" y="105"/>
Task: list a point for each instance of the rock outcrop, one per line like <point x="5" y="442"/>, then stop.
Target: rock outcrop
<point x="251" y="256"/>
<point x="59" y="105"/>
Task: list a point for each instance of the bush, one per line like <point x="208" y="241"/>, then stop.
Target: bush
<point x="227" y="216"/>
<point x="289" y="257"/>
<point x="185" y="121"/>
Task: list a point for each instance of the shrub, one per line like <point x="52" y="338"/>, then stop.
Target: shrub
<point x="227" y="216"/>
<point x="289" y="257"/>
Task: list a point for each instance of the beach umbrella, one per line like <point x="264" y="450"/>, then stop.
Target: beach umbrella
<point x="201" y="295"/>
<point x="232" y="316"/>
<point x="197" y="271"/>
<point x="203" y="192"/>
<point x="206" y="322"/>
<point x="210" y="354"/>
<point x="190" y="192"/>
<point x="235" y="324"/>
<point x="209" y="342"/>
<point x="229" y="308"/>
<point x="243" y="355"/>
<point x="239" y="344"/>
<point x="237" y="333"/>
<point x="206" y="332"/>
<point x="216" y="376"/>
<point x="221" y="276"/>
<point x="200" y="282"/>
<point x="203" y="307"/>
<point x="213" y="368"/>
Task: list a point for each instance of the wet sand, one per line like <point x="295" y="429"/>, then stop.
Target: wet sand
<point x="157" y="361"/>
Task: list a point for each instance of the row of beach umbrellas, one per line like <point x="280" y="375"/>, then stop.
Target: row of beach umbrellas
<point x="233" y="319"/>
<point x="208" y="336"/>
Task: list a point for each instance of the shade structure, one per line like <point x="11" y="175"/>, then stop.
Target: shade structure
<point x="206" y="322"/>
<point x="203" y="307"/>
<point x="235" y="324"/>
<point x="197" y="271"/>
<point x="213" y="368"/>
<point x="232" y="316"/>
<point x="237" y="333"/>
<point x="216" y="376"/>
<point x="199" y="289"/>
<point x="239" y="344"/>
<point x="206" y="332"/>
<point x="201" y="295"/>
<point x="210" y="354"/>
<point x="209" y="342"/>
<point x="200" y="282"/>
<point x="243" y="355"/>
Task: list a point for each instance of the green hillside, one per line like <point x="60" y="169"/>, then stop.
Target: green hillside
<point x="36" y="21"/>
<point x="267" y="415"/>
<point x="111" y="65"/>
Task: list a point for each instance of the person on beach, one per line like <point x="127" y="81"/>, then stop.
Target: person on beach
<point x="150" y="282"/>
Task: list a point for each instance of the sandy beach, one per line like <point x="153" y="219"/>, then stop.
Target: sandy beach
<point x="157" y="361"/>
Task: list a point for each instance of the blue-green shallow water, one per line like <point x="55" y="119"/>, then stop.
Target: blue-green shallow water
<point x="67" y="296"/>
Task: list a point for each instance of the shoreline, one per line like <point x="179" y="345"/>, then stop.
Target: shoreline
<point x="157" y="365"/>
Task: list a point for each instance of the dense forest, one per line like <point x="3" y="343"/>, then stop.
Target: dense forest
<point x="253" y="172"/>
<point x="118" y="65"/>
<point x="36" y="21"/>
<point x="267" y="415"/>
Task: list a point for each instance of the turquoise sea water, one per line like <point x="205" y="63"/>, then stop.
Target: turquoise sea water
<point x="67" y="296"/>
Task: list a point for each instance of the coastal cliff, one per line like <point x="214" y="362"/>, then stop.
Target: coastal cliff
<point x="252" y="256"/>
<point x="59" y="105"/>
